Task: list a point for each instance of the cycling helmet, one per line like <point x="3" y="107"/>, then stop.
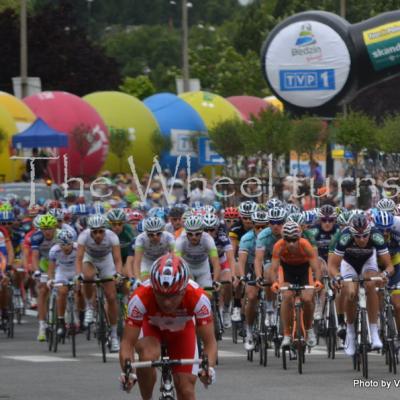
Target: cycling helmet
<point x="176" y="212"/>
<point x="33" y="211"/>
<point x="386" y="205"/>
<point x="210" y="220"/>
<point x="186" y="215"/>
<point x="41" y="201"/>
<point x="274" y="203"/>
<point x="116" y="215"/>
<point x="134" y="216"/>
<point x="296" y="217"/>
<point x="48" y="222"/>
<point x="291" y="230"/>
<point x="98" y="208"/>
<point x="276" y="214"/>
<point x="153" y="224"/>
<point x="231" y="213"/>
<point x="383" y="219"/>
<point x="197" y="204"/>
<point x="65" y="237"/>
<point x="309" y="217"/>
<point x="7" y="216"/>
<point x="360" y="224"/>
<point x="209" y="209"/>
<point x="97" y="221"/>
<point x="169" y="275"/>
<point x="260" y="217"/>
<point x="26" y="225"/>
<point x="217" y="206"/>
<point x="292" y="208"/>
<point x="57" y="213"/>
<point x="327" y="211"/>
<point x="6" y="207"/>
<point x="246" y="208"/>
<point x="194" y="223"/>
<point x="397" y="210"/>
<point x="344" y="218"/>
<point x="80" y="209"/>
<point x="36" y="221"/>
<point x="139" y="227"/>
<point x="262" y="207"/>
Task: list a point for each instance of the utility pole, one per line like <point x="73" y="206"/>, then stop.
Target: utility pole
<point x="343" y="8"/>
<point x="24" y="49"/>
<point x="185" y="46"/>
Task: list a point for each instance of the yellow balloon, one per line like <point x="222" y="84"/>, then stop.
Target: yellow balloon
<point x="22" y="114"/>
<point x="274" y="102"/>
<point x="212" y="108"/>
<point x="10" y="170"/>
<point x="122" y="111"/>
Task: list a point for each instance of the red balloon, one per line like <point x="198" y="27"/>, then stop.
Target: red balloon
<point x="70" y="114"/>
<point x="248" y="105"/>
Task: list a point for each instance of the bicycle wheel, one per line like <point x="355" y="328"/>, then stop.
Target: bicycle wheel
<point x="284" y="363"/>
<point x="332" y="332"/>
<point x="299" y="340"/>
<point x="56" y="337"/>
<point x="391" y="336"/>
<point x="10" y="324"/>
<point x="101" y="330"/>
<point x="235" y="332"/>
<point x="121" y="315"/>
<point x="72" y="330"/>
<point x="364" y="344"/>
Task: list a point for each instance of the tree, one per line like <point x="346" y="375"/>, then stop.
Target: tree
<point x="59" y="53"/>
<point x="389" y="134"/>
<point x="140" y="87"/>
<point x="357" y="131"/>
<point x="308" y="134"/>
<point x="119" y="143"/>
<point x="83" y="137"/>
<point x="160" y="143"/>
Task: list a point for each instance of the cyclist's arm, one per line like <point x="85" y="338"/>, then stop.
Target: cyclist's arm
<point x="129" y="266"/>
<point x="235" y="241"/>
<point x="242" y="259"/>
<point x="315" y="264"/>
<point x="334" y="264"/>
<point x="274" y="268"/>
<point x="215" y="264"/>
<point x="51" y="269"/>
<point x="79" y="258"/>
<point x="258" y="262"/>
<point x="35" y="260"/>
<point x="231" y="260"/>
<point x="116" y="252"/>
<point x="207" y="336"/>
<point x="10" y="252"/>
<point x="129" y="340"/>
<point x="25" y="256"/>
<point x="136" y="262"/>
<point x="386" y="261"/>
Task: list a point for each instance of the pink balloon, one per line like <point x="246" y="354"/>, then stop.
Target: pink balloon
<point x="70" y="114"/>
<point x="248" y="105"/>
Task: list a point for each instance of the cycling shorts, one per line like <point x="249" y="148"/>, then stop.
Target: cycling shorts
<point x="104" y="265"/>
<point x="180" y="344"/>
<point x="300" y="274"/>
<point x="201" y="273"/>
<point x="64" y="275"/>
<point x="225" y="266"/>
<point x="395" y="280"/>
<point x="348" y="271"/>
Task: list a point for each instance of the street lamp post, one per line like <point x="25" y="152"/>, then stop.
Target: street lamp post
<point x="185" y="46"/>
<point x="24" y="49"/>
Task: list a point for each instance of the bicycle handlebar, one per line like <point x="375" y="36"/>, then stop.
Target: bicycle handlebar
<point x="372" y="278"/>
<point x="296" y="287"/>
<point x="165" y="362"/>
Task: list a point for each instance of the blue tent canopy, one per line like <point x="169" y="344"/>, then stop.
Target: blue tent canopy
<point x="39" y="134"/>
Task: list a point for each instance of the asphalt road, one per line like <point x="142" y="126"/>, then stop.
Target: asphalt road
<point x="29" y="371"/>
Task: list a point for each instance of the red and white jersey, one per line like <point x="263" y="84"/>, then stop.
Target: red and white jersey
<point x="195" y="305"/>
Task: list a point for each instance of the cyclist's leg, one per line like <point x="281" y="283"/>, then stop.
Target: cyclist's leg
<point x="89" y="273"/>
<point x="395" y="282"/>
<point x="202" y="274"/>
<point x="308" y="297"/>
<point x="286" y="305"/>
<point x="226" y="291"/>
<point x="148" y="349"/>
<point x="43" y="292"/>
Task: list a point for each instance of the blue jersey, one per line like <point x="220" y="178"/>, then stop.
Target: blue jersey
<point x="248" y="245"/>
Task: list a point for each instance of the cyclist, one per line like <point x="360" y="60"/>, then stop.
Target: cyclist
<point x="198" y="249"/>
<point x="6" y="247"/>
<point x="58" y="214"/>
<point x="295" y="261"/>
<point x="262" y="262"/>
<point x="231" y="217"/>
<point x="247" y="247"/>
<point x="169" y="309"/>
<point x="153" y="243"/>
<point x="389" y="226"/>
<point x="175" y="224"/>
<point x="99" y="251"/>
<point x="226" y="260"/>
<point x="41" y="243"/>
<point x="62" y="258"/>
<point x="356" y="255"/>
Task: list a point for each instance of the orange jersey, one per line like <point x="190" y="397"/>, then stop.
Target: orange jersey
<point x="303" y="253"/>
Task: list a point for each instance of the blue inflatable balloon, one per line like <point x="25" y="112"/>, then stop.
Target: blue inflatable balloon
<point x="178" y="121"/>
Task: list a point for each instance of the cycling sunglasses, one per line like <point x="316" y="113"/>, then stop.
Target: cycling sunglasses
<point x="117" y="223"/>
<point x="328" y="219"/>
<point x="246" y="218"/>
<point x="291" y="240"/>
<point x="154" y="234"/>
<point x="228" y="221"/>
<point x="276" y="222"/>
<point x="260" y="227"/>
<point x="361" y="236"/>
<point x="194" y="234"/>
<point x="98" y="231"/>
<point x="8" y="223"/>
<point x="210" y="229"/>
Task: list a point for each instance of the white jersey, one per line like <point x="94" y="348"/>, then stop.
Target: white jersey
<point x="169" y="228"/>
<point x="196" y="254"/>
<point x="153" y="251"/>
<point x="102" y="249"/>
<point x="62" y="260"/>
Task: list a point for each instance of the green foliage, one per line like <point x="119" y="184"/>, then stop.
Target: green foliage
<point x="140" y="87"/>
<point x="9" y="4"/>
<point x="160" y="143"/>
<point x="389" y="134"/>
<point x="356" y="131"/>
<point x="3" y="139"/>
<point x="307" y="134"/>
<point x="228" y="137"/>
<point x="119" y="143"/>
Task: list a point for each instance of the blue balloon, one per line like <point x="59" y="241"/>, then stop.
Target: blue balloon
<point x="178" y="121"/>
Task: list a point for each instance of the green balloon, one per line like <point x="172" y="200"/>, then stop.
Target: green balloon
<point x="122" y="111"/>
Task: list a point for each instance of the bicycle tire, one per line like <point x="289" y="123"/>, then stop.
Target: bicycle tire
<point x="101" y="333"/>
<point x="234" y="332"/>
<point x="332" y="332"/>
<point x="72" y="330"/>
<point x="10" y="324"/>
<point x="121" y="315"/>
<point x="299" y="336"/>
<point x="391" y="334"/>
<point x="51" y="322"/>
<point x="284" y="361"/>
<point x="364" y="344"/>
<point x="56" y="337"/>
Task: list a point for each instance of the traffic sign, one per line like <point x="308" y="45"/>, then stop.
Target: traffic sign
<point x="207" y="156"/>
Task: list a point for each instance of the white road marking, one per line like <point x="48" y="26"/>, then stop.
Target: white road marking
<point x="109" y="355"/>
<point x="39" y="359"/>
<point x="31" y="313"/>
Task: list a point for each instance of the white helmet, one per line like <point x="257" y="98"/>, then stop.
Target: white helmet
<point x="153" y="224"/>
<point x="194" y="223"/>
<point x="210" y="220"/>
<point x="97" y="221"/>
